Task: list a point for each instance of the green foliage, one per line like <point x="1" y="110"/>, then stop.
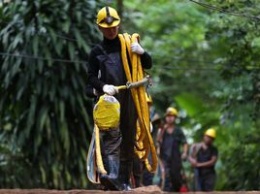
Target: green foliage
<point x="44" y="122"/>
<point x="240" y="69"/>
<point x="239" y="59"/>
<point x="240" y="156"/>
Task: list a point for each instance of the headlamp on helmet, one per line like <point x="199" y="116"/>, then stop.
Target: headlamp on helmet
<point x="108" y="17"/>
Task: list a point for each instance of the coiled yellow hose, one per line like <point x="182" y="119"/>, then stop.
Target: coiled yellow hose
<point x="145" y="141"/>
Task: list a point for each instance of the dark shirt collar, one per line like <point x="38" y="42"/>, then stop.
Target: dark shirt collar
<point x="111" y="42"/>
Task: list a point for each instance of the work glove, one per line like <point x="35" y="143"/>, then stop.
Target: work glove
<point x="110" y="89"/>
<point x="136" y="48"/>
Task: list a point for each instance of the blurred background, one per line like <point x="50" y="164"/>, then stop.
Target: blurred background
<point x="206" y="57"/>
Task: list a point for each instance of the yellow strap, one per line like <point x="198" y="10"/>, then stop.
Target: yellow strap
<point x="121" y="87"/>
<point x="99" y="160"/>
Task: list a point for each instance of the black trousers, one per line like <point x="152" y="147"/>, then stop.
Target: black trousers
<point x="138" y="167"/>
<point x="110" y="145"/>
<point x="206" y="181"/>
<point x="173" y="178"/>
<point x="128" y="120"/>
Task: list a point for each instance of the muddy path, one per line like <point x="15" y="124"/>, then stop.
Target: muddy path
<point x="141" y="190"/>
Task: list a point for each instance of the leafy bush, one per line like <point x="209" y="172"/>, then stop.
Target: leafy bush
<point x="44" y="118"/>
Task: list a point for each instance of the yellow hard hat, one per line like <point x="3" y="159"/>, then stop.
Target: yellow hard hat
<point x="211" y="133"/>
<point x="108" y="17"/>
<point x="171" y="112"/>
<point x="106" y="112"/>
<point x="148" y="98"/>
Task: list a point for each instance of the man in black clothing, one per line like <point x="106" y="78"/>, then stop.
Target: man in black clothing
<point x="105" y="72"/>
<point x="203" y="158"/>
<point x="171" y="138"/>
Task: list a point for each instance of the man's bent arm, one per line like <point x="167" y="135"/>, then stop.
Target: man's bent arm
<point x="209" y="163"/>
<point x="146" y="60"/>
<point x="93" y="69"/>
<point x="185" y="148"/>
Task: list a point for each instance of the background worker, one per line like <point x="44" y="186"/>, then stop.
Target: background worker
<point x="203" y="158"/>
<point x="170" y="139"/>
<point x="105" y="71"/>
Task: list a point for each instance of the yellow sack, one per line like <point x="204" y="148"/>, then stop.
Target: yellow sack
<point x="107" y="112"/>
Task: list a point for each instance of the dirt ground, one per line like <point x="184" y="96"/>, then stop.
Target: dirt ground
<point x="141" y="190"/>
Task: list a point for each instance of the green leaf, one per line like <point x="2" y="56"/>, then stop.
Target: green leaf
<point x="66" y="26"/>
<point x="35" y="41"/>
<point x="62" y="111"/>
<point x="42" y="118"/>
<point x="192" y="104"/>
<point x="71" y="51"/>
<point x="31" y="115"/>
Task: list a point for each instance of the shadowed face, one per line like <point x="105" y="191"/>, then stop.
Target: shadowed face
<point x="208" y="140"/>
<point x="170" y="119"/>
<point x="109" y="33"/>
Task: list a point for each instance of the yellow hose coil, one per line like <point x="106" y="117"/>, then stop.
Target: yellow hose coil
<point x="144" y="143"/>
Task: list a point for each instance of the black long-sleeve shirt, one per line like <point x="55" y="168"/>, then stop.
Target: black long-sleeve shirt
<point x="105" y="64"/>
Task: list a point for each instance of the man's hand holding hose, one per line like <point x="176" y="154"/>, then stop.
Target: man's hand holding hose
<point x="137" y="48"/>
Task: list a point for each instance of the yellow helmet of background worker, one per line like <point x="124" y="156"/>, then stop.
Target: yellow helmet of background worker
<point x="211" y="133"/>
<point x="171" y="112"/>
<point x="108" y="17"/>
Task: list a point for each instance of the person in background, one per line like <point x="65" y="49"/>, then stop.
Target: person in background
<point x="203" y="158"/>
<point x="171" y="139"/>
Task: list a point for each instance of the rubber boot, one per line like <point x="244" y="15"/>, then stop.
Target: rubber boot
<point x="125" y="173"/>
<point x="110" y="181"/>
<point x="110" y="149"/>
<point x="137" y="172"/>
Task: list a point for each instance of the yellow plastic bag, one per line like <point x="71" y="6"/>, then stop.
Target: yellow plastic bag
<point x="107" y="113"/>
